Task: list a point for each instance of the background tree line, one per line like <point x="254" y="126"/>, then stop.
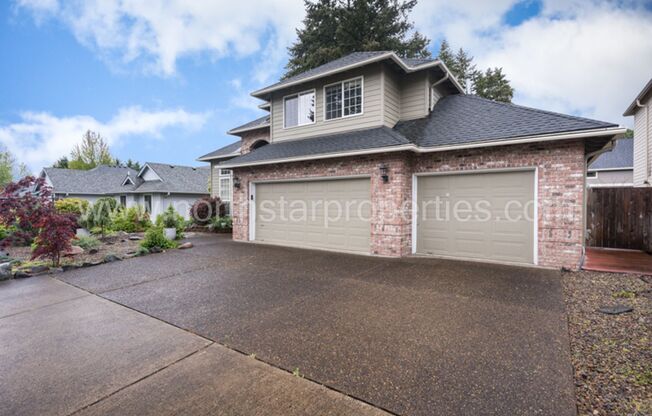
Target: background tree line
<point x="335" y="28"/>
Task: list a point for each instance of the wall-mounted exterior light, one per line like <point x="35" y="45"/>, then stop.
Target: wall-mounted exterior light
<point x="236" y="183"/>
<point x="384" y="173"/>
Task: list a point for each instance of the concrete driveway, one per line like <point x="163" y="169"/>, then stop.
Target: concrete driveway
<point x="409" y="336"/>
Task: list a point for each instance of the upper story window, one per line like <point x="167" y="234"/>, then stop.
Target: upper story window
<point x="299" y="109"/>
<point x="343" y="99"/>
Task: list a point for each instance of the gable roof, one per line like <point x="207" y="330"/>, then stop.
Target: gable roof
<point x="176" y="179"/>
<point x="252" y="125"/>
<point x="355" y="60"/>
<point x="108" y="180"/>
<point x="97" y="181"/>
<point x="620" y="157"/>
<point x="457" y="121"/>
<point x="226" y="152"/>
<point x="633" y="106"/>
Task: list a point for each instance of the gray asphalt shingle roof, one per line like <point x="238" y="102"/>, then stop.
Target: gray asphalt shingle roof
<point x="622" y="156"/>
<point x="455" y="120"/>
<point x="107" y="180"/>
<point x="99" y="180"/>
<point x="345" y="61"/>
<point x="380" y="137"/>
<point x="252" y="125"/>
<point x="463" y="119"/>
<point x="177" y="179"/>
<point x="223" y="152"/>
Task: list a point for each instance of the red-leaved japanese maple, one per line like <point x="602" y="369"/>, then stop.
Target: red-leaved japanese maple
<point x="22" y="205"/>
<point x="55" y="233"/>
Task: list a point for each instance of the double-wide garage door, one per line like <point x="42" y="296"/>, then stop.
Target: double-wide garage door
<point x="330" y="214"/>
<point x="486" y="216"/>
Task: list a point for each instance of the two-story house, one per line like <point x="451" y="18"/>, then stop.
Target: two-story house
<point x="376" y="154"/>
<point x="640" y="109"/>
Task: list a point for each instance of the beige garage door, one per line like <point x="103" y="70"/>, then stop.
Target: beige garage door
<point x="330" y="214"/>
<point x="483" y="216"/>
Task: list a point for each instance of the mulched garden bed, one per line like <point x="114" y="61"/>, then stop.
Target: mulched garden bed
<point x="611" y="354"/>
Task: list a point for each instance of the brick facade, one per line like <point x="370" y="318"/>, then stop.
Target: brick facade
<point x="250" y="138"/>
<point x="560" y="190"/>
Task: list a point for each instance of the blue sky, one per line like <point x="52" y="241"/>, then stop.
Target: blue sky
<point x="165" y="83"/>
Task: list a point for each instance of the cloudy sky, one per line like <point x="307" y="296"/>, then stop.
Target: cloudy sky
<point x="163" y="80"/>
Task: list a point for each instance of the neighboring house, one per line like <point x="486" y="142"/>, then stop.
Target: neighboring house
<point x="155" y="187"/>
<point x="640" y="109"/>
<point x="385" y="137"/>
<point x="614" y="168"/>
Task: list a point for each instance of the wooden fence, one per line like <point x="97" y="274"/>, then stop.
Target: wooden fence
<point x="620" y="218"/>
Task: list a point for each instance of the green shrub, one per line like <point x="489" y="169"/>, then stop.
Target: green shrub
<point x="155" y="237"/>
<point x="75" y="206"/>
<point x="99" y="215"/>
<point x="132" y="220"/>
<point x="87" y="243"/>
<point x="171" y="219"/>
<point x="221" y="224"/>
<point x="142" y="251"/>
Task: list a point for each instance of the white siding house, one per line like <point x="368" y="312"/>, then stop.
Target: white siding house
<point x="640" y="109"/>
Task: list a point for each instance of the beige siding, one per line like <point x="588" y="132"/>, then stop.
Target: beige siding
<point x="641" y="140"/>
<point x="214" y="183"/>
<point x="371" y="102"/>
<point x="392" y="98"/>
<point x="414" y="95"/>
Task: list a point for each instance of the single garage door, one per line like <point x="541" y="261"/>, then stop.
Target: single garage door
<point x="486" y="216"/>
<point x="329" y="214"/>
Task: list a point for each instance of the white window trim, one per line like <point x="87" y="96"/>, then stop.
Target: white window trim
<point x="151" y="203"/>
<point x="361" y="78"/>
<point x="228" y="176"/>
<point x="592" y="177"/>
<point x="314" y="91"/>
<point x="120" y="200"/>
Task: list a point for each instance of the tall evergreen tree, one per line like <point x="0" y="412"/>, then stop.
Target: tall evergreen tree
<point x="92" y="152"/>
<point x="62" y="163"/>
<point x="335" y="28"/>
<point x="7" y="162"/>
<point x="493" y="84"/>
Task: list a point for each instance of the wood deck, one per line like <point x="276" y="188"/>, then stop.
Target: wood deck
<point x="617" y="261"/>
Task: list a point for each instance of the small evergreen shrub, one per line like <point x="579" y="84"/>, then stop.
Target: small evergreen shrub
<point x="221" y="224"/>
<point x="155" y="238"/>
<point x="170" y="218"/>
<point x="76" y="206"/>
<point x="87" y="243"/>
<point x="131" y="220"/>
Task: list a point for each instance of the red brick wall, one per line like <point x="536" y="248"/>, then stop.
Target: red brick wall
<point x="251" y="137"/>
<point x="560" y="191"/>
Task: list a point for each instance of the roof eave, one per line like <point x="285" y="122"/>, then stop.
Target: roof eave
<point x="235" y="131"/>
<point x="389" y="55"/>
<point x="631" y="110"/>
<point x="207" y="158"/>
<point x="603" y="131"/>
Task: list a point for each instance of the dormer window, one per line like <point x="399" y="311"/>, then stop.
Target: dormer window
<point x="343" y="99"/>
<point x="299" y="109"/>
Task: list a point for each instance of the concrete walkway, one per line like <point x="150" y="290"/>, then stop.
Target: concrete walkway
<point x="66" y="351"/>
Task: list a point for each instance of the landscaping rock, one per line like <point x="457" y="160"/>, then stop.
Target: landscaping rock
<point x="135" y="237"/>
<point x="20" y="274"/>
<point x="56" y="269"/>
<point x="34" y="270"/>
<point x="615" y="310"/>
<point x="110" y="258"/>
<point x="186" y="245"/>
<point x="5" y="271"/>
<point x="67" y="267"/>
<point x="93" y="251"/>
<point x="74" y="250"/>
<point x="155" y="250"/>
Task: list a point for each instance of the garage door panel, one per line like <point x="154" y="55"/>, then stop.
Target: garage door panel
<point x="472" y="234"/>
<point x="324" y="223"/>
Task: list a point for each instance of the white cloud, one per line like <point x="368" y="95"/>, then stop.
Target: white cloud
<point x="587" y="57"/>
<point x="41" y="138"/>
<point x="157" y="33"/>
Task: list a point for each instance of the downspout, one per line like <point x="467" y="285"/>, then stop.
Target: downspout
<point x="608" y="147"/>
<point x="646" y="140"/>
<point x="445" y="78"/>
